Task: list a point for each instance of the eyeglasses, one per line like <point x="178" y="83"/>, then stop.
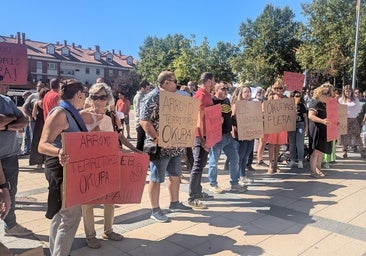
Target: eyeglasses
<point x="278" y="88"/>
<point x="224" y="89"/>
<point x="175" y="80"/>
<point x="101" y="97"/>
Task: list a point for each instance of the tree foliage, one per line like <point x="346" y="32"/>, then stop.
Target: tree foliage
<point x="268" y="46"/>
<point x="329" y="47"/>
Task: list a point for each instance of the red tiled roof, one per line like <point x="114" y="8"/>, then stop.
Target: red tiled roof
<point x="77" y="54"/>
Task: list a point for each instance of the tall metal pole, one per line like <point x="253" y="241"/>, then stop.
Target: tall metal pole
<point x="358" y="9"/>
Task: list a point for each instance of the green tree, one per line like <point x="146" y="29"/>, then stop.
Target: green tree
<point x="128" y="84"/>
<point x="329" y="45"/>
<point x="158" y="54"/>
<point x="269" y="44"/>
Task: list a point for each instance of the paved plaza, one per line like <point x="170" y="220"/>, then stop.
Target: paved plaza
<point x="283" y="214"/>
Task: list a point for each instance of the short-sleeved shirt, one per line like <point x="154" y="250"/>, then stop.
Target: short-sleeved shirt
<point x="50" y="100"/>
<point x="205" y="101"/>
<point x="149" y="111"/>
<point x="227" y="124"/>
<point x="300" y="111"/>
<point x="123" y="106"/>
<point x="30" y="101"/>
<point x="9" y="145"/>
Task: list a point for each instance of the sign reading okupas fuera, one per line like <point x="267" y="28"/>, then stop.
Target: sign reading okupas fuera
<point x="177" y="119"/>
<point x="279" y="115"/>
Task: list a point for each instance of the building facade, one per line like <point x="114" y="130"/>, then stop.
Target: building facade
<point x="49" y="60"/>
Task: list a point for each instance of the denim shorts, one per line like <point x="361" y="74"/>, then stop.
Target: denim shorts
<point x="165" y="166"/>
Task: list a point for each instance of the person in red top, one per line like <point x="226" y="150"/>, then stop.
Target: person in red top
<point x="123" y="105"/>
<point x="200" y="149"/>
<point x="52" y="98"/>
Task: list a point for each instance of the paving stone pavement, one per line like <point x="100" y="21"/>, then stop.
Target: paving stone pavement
<point x="283" y="214"/>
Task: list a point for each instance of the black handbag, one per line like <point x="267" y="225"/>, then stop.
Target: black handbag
<point x="153" y="150"/>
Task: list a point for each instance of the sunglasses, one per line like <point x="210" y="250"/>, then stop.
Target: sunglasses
<point x="101" y="97"/>
<point x="175" y="81"/>
<point x="278" y="88"/>
<point x="224" y="89"/>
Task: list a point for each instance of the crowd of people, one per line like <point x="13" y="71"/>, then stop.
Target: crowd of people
<point x="69" y="106"/>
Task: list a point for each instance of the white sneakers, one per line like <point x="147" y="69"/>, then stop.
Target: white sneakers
<point x="291" y="164"/>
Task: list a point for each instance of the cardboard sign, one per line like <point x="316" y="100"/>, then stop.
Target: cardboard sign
<point x="178" y="119"/>
<point x="250" y="119"/>
<point x="33" y="252"/>
<point x="332" y="116"/>
<point x="342" y="119"/>
<point x="279" y="115"/>
<point x="13" y="63"/>
<point x="213" y="122"/>
<point x="133" y="170"/>
<point x="93" y="167"/>
<point x="294" y="81"/>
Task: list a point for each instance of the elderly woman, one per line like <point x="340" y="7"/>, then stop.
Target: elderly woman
<point x="63" y="118"/>
<point x="318" y="129"/>
<point x="99" y="102"/>
<point x="353" y="128"/>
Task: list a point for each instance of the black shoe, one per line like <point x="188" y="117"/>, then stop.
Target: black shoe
<point x="250" y="168"/>
<point x="179" y="207"/>
<point x="205" y="197"/>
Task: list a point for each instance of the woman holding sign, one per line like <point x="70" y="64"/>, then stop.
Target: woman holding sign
<point x="275" y="140"/>
<point x="96" y="119"/>
<point x="63" y="118"/>
<point x="318" y="129"/>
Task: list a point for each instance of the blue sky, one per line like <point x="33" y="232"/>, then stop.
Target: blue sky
<point x="123" y="25"/>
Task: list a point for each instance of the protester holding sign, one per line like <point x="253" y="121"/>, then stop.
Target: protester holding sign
<point x="275" y="140"/>
<point x="200" y="149"/>
<point x="318" y="129"/>
<point x="352" y="138"/>
<point x="64" y="118"/>
<point x="245" y="146"/>
<point x="95" y="118"/>
<point x="167" y="160"/>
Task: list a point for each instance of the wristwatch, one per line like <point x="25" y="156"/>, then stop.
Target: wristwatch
<point x="5" y="185"/>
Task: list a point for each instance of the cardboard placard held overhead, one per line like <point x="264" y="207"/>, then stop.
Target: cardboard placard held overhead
<point x="133" y="170"/>
<point x="279" y="115"/>
<point x="250" y="119"/>
<point x="14" y="63"/>
<point x="93" y="168"/>
<point x="294" y="81"/>
<point x="178" y="119"/>
<point x="332" y="116"/>
<point x="213" y="122"/>
<point x="342" y="119"/>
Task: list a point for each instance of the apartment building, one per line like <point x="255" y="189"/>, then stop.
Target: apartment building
<point x="47" y="60"/>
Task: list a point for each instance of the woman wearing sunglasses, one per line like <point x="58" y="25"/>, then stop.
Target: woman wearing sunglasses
<point x="96" y="119"/>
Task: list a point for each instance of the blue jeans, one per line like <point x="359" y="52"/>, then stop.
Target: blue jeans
<point x="230" y="148"/>
<point x="165" y="166"/>
<point x="11" y="171"/>
<point x="296" y="142"/>
<point x="199" y="162"/>
<point x="245" y="149"/>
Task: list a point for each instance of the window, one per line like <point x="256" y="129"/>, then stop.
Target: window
<point x="52" y="66"/>
<point x="109" y="57"/>
<point x="65" y="51"/>
<point x="130" y="60"/>
<point x="97" y="56"/>
<point x="97" y="72"/>
<point x="111" y="73"/>
<point x="39" y="65"/>
<point x="87" y="70"/>
<point x="119" y="73"/>
<point x="50" y="49"/>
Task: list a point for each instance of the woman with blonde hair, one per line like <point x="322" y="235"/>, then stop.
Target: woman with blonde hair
<point x="275" y="140"/>
<point x="318" y="128"/>
<point x="99" y="101"/>
<point x="353" y="128"/>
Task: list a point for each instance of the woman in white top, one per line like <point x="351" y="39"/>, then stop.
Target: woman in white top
<point x="94" y="115"/>
<point x="353" y="128"/>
